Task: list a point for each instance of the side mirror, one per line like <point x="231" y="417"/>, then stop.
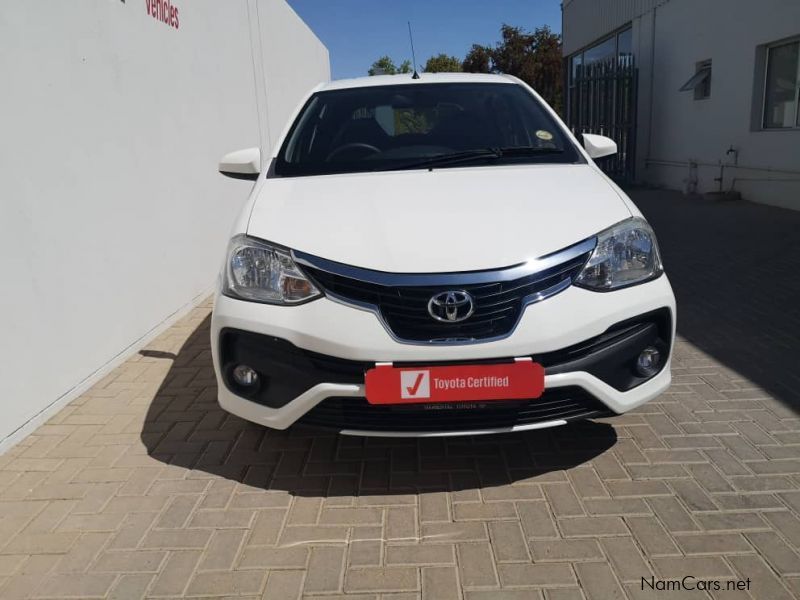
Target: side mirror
<point x="599" y="145"/>
<point x="242" y="164"/>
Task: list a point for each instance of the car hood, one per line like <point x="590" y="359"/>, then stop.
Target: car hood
<point x="444" y="220"/>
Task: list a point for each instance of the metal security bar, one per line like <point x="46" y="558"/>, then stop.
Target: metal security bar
<point x="601" y="99"/>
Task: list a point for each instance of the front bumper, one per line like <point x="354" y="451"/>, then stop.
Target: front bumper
<point x="316" y="354"/>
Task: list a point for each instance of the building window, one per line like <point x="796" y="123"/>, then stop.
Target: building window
<point x="619" y="46"/>
<point x="614" y="51"/>
<point x="625" y="46"/>
<point x="601" y="52"/>
<point x="700" y="82"/>
<point x="782" y="87"/>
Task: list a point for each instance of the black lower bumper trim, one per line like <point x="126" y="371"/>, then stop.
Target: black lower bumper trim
<point x="286" y="371"/>
<point x="568" y="403"/>
<point x="611" y="356"/>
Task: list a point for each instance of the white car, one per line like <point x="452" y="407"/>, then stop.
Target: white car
<point x="437" y="255"/>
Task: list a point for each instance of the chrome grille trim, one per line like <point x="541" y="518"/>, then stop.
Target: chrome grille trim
<point x="446" y="279"/>
<point x="549" y="266"/>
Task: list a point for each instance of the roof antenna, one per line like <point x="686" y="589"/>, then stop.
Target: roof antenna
<point x="413" y="56"/>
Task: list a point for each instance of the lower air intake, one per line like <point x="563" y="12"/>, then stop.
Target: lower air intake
<point x="569" y="403"/>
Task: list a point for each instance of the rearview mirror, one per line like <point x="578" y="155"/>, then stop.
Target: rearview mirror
<point x="598" y="146"/>
<point x="242" y="164"/>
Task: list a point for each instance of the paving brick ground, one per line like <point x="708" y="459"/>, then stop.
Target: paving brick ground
<point x="143" y="487"/>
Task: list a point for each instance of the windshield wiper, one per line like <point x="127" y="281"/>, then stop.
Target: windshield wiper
<point x="444" y="159"/>
<point x="470" y="155"/>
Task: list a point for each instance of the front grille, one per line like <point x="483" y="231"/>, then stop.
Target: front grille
<point x="568" y="403"/>
<point x="498" y="304"/>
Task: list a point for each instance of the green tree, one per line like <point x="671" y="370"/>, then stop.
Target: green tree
<point x="533" y="57"/>
<point x="443" y="64"/>
<point x="478" y="59"/>
<point x="386" y="66"/>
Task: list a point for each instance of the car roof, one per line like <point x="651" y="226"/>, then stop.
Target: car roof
<point x="407" y="79"/>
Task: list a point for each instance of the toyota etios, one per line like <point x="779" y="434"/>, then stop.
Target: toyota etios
<point x="437" y="255"/>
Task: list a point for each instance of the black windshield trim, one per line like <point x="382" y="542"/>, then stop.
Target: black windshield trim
<point x="280" y="168"/>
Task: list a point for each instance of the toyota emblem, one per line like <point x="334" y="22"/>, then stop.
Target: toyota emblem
<point x="452" y="306"/>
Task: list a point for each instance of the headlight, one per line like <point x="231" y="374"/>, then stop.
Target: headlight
<point x="259" y="272"/>
<point x="626" y="254"/>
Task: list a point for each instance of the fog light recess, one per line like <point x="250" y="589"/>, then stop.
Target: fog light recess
<point x="245" y="376"/>
<point x="649" y="362"/>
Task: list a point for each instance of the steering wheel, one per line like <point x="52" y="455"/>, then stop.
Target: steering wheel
<point x="352" y="146"/>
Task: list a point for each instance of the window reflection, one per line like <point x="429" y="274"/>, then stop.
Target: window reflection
<point x="619" y="46"/>
<point x="782" y="87"/>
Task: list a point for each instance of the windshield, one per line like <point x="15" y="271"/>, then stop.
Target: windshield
<point x="434" y="125"/>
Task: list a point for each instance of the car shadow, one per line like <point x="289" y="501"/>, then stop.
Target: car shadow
<point x="186" y="427"/>
<point x="734" y="269"/>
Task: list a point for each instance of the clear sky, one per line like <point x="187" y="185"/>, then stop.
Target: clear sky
<point x="357" y="32"/>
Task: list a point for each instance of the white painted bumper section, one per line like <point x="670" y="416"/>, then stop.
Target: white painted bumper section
<point x="281" y="418"/>
<point x="330" y="328"/>
<point x="399" y="434"/>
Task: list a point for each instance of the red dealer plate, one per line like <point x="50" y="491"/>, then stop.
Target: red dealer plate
<point x="519" y="380"/>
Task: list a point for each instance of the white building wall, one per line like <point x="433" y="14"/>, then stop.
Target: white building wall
<point x="673" y="129"/>
<point x="682" y="129"/>
<point x="112" y="215"/>
<point x="585" y="21"/>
